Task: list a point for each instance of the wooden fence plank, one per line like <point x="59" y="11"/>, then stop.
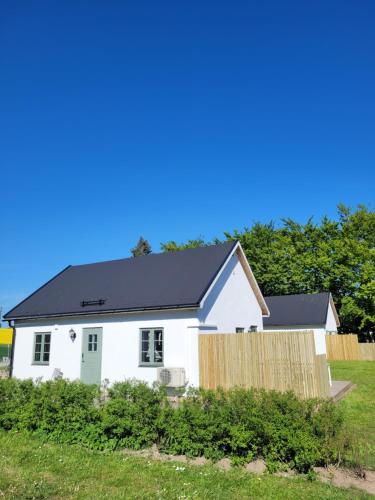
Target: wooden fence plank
<point x="342" y="347"/>
<point x="272" y="360"/>
<point x="367" y="352"/>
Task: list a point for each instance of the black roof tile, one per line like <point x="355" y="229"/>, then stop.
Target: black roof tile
<point x="156" y="281"/>
<point x="301" y="309"/>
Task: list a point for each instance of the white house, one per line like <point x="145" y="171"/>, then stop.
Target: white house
<point x="315" y="311"/>
<point x="126" y="318"/>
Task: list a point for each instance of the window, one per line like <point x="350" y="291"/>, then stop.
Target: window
<point x="253" y="328"/>
<point x="151" y="349"/>
<point x="240" y="330"/>
<point x="92" y="342"/>
<point x="42" y="346"/>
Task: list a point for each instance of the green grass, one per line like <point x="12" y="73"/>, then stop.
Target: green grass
<point x="30" y="468"/>
<point x="359" y="405"/>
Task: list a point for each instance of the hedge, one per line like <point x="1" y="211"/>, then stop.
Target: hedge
<point x="242" y="424"/>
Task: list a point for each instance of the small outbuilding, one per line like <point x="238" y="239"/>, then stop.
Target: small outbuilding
<point x="314" y="311"/>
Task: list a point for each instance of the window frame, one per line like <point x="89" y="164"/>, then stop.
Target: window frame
<point x="151" y="364"/>
<point x="92" y="342"/>
<point x="42" y="352"/>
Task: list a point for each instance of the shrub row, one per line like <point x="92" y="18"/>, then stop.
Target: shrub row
<point x="240" y="424"/>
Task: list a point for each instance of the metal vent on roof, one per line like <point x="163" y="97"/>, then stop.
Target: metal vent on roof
<point x="99" y="302"/>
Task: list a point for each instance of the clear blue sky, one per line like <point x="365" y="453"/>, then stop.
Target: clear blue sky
<point x="174" y="119"/>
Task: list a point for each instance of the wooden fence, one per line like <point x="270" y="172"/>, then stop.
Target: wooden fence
<point x="278" y="360"/>
<point x="342" y="347"/>
<point x="347" y="348"/>
<point x="367" y="352"/>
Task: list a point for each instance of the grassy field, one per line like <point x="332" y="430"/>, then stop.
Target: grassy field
<point x="32" y="469"/>
<point x="359" y="405"/>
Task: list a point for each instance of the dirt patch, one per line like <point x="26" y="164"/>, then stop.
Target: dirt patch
<point x="344" y="478"/>
<point x="199" y="461"/>
<point x="286" y="473"/>
<point x="177" y="458"/>
<point x="256" y="467"/>
<point x="154" y="454"/>
<point x="223" y="464"/>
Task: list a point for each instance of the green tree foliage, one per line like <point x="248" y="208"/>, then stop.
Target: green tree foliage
<point x="172" y="246"/>
<point x="143" y="247"/>
<point x="332" y="255"/>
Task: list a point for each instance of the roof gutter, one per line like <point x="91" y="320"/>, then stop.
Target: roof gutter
<point x="109" y="311"/>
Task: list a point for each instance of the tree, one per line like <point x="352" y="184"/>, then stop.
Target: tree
<point x="332" y="255"/>
<point x="143" y="247"/>
<point x="172" y="246"/>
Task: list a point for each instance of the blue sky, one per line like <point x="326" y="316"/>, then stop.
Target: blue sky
<point x="173" y="120"/>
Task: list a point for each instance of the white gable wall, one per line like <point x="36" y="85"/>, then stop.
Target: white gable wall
<point x="231" y="302"/>
<point x="331" y="321"/>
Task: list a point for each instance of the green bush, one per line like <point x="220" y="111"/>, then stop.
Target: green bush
<point x="64" y="411"/>
<point x="15" y="395"/>
<point x="242" y="424"/>
<point x="60" y="410"/>
<point x="131" y="417"/>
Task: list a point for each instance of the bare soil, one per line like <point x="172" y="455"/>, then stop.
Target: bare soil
<point x="343" y="478"/>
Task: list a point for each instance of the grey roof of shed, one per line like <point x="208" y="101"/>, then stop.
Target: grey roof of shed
<point x="300" y="309"/>
<point x="156" y="281"/>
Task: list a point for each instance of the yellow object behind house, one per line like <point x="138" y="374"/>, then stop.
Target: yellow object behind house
<point x="6" y="335"/>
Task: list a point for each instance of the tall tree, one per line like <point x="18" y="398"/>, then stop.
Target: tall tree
<point x="143" y="247"/>
<point x="333" y="255"/>
<point x="172" y="246"/>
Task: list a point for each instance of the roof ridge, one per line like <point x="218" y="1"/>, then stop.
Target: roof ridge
<point x="184" y="276"/>
<point x="155" y="254"/>
<point x="296" y="294"/>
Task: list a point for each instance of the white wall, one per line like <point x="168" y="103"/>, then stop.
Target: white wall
<point x="120" y="350"/>
<point x="231" y="302"/>
<point x="331" y="321"/>
<point x="319" y="334"/>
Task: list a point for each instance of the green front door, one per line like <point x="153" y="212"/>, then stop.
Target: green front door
<point x="91" y="358"/>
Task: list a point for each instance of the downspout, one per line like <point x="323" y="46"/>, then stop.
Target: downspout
<point x="13" y="347"/>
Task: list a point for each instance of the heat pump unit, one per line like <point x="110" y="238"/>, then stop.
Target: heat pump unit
<point x="171" y="377"/>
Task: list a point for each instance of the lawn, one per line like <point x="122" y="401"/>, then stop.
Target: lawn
<point x="359" y="405"/>
<point x="33" y="469"/>
<point x="30" y="468"/>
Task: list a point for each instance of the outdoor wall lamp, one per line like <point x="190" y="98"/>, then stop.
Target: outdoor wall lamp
<point x="72" y="334"/>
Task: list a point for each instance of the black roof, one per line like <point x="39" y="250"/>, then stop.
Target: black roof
<point x="301" y="309"/>
<point x="155" y="281"/>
